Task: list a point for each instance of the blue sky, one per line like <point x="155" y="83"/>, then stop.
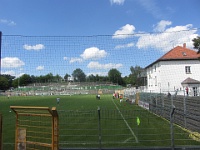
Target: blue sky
<point x="94" y="35"/>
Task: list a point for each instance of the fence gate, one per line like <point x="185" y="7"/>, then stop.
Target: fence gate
<point x="36" y="128"/>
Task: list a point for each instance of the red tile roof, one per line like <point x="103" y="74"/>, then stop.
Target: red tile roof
<point x="178" y="53"/>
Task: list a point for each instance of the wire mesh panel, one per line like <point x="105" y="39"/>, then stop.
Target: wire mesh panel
<point x="78" y="129"/>
<point x="186" y="115"/>
<point x="134" y="128"/>
<point x="34" y="128"/>
<point x="112" y="129"/>
<point x="37" y="129"/>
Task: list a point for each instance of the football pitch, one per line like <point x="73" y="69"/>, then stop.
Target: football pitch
<point x="86" y="122"/>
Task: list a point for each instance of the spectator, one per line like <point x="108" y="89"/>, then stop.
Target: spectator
<point x="186" y="90"/>
<point x="114" y="95"/>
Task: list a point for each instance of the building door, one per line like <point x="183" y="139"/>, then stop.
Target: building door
<point x="194" y="91"/>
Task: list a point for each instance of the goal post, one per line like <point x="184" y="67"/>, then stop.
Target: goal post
<point x="36" y="128"/>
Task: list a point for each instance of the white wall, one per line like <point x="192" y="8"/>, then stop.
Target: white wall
<point x="167" y="75"/>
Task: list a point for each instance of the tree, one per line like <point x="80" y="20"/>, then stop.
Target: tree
<point x="135" y="76"/>
<point x="79" y="75"/>
<point x="196" y="43"/>
<point x="33" y="79"/>
<point x="97" y="78"/>
<point x="115" y="76"/>
<point x="49" y="77"/>
<point x="9" y="78"/>
<point x="127" y="80"/>
<point x="91" y="78"/>
<point x="66" y="77"/>
<point x="58" y="78"/>
<point x="4" y="84"/>
<point x="15" y="83"/>
<point x="25" y="79"/>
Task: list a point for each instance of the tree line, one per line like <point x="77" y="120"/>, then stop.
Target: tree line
<point x="113" y="76"/>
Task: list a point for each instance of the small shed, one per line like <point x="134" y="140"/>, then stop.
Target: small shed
<point x="192" y="85"/>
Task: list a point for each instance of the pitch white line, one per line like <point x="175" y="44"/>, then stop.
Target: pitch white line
<point x="127" y="140"/>
<point x="136" y="139"/>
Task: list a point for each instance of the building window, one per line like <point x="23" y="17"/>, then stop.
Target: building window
<point x="187" y="69"/>
<point x="155" y="80"/>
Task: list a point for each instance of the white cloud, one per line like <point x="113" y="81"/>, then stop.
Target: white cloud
<point x="118" y="2"/>
<point x="40" y="68"/>
<point x="13" y="73"/>
<point x="7" y="22"/>
<point x="11" y="62"/>
<point x="168" y="39"/>
<point x="19" y="75"/>
<point x="97" y="65"/>
<point x="36" y="47"/>
<point x="65" y="58"/>
<point x="75" y="59"/>
<point x="160" y="27"/>
<point x="93" y="53"/>
<point x="10" y="72"/>
<point x="124" y="32"/>
<point x="124" y="46"/>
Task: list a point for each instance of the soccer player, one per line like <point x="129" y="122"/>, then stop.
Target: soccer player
<point x="58" y="100"/>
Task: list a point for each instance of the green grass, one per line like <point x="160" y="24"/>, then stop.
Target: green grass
<point x="79" y="122"/>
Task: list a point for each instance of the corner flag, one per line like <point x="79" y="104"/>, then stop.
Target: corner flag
<point x="138" y="121"/>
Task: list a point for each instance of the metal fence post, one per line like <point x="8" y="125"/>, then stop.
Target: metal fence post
<point x="99" y="126"/>
<point x="163" y="104"/>
<point x="150" y="98"/>
<point x="184" y="109"/>
<point x="172" y="123"/>
<point x="156" y="104"/>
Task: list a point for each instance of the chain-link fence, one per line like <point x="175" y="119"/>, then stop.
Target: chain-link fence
<point x="122" y="129"/>
<point x="187" y="113"/>
<point x="134" y="128"/>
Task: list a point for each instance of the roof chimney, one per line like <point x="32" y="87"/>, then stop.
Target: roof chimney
<point x="184" y="45"/>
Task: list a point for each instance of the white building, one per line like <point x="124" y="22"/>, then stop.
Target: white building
<point x="177" y="69"/>
<point x="70" y="79"/>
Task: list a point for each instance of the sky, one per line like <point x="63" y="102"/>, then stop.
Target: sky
<point x="59" y="36"/>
